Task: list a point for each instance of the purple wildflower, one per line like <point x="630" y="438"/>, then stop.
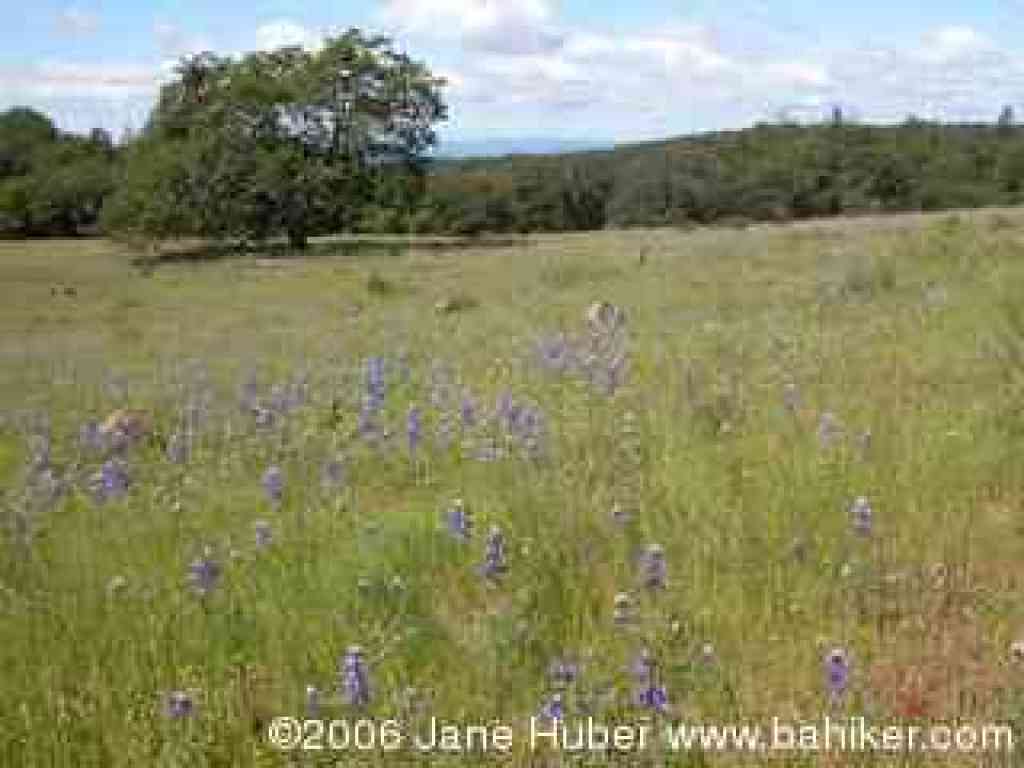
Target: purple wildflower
<point x="553" y="709"/>
<point x="650" y="695"/>
<point x="862" y="516"/>
<point x="332" y="474"/>
<point x="179" y="705"/>
<point x="273" y="484"/>
<point x="467" y="411"/>
<point x="355" y="679"/>
<point x="112" y="480"/>
<point x="563" y="672"/>
<point x="90" y="437"/>
<point x="459" y="520"/>
<point x="653" y="697"/>
<point x="204" y="573"/>
<point x="177" y="449"/>
<point x="376" y="386"/>
<point x="494" y="565"/>
<point x="653" y="569"/>
<point x="414" y="428"/>
<point x="837" y="672"/>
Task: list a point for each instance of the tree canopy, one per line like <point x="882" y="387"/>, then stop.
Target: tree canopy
<point x="288" y="141"/>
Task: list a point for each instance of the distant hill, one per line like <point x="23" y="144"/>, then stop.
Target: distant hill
<point x="768" y="172"/>
<point x="517" y="146"/>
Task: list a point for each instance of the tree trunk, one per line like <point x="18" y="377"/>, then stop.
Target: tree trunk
<point x="297" y="238"/>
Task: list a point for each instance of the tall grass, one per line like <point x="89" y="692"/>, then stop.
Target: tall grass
<point x="711" y="440"/>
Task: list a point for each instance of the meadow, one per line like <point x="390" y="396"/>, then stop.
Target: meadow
<point x="791" y="484"/>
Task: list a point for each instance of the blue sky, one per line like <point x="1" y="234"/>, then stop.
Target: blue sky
<point x="581" y="69"/>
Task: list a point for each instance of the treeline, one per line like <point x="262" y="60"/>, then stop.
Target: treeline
<point x="51" y="183"/>
<point x="765" y="173"/>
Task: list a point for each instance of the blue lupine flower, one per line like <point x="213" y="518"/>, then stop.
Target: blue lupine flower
<point x="555" y="353"/>
<point x="837" y="672"/>
<point x="273" y="484"/>
<point x="563" y="672"/>
<point x="90" y="437"/>
<point x="653" y="697"/>
<point x="459" y="520"/>
<point x="650" y="695"/>
<point x="179" y="705"/>
<point x="355" y="680"/>
<point x="467" y="411"/>
<point x="494" y="565"/>
<point x="862" y="516"/>
<point x="376" y="385"/>
<point x="204" y="573"/>
<point x="113" y="479"/>
<point x="177" y="449"/>
<point x="414" y="428"/>
<point x="553" y="709"/>
<point x="653" y="568"/>
<point x="332" y="474"/>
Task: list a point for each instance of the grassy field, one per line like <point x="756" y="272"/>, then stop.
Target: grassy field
<point x="314" y="421"/>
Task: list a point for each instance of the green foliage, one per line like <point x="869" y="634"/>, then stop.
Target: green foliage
<point x="283" y="142"/>
<point x="765" y="173"/>
<point x="50" y="183"/>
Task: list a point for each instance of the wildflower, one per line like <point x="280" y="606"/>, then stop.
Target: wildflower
<point x="204" y="573"/>
<point x="861" y="515"/>
<point x="467" y="411"/>
<point x="649" y="695"/>
<point x="563" y="672"/>
<point x="460" y="523"/>
<point x="654" y="571"/>
<point x="553" y="709"/>
<point x="623" y="611"/>
<point x="376" y="386"/>
<point x="332" y="474"/>
<point x="494" y="565"/>
<point x="653" y="697"/>
<point x="414" y="428"/>
<point x="112" y="480"/>
<point x="263" y="533"/>
<point x="179" y="705"/>
<point x="90" y="437"/>
<point x="355" y="680"/>
<point x="273" y="484"/>
<point x="177" y="449"/>
<point x="837" y="672"/>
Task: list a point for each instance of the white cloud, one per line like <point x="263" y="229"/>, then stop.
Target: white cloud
<point x="285" y="32"/>
<point x="499" y="26"/>
<point x="74" y="22"/>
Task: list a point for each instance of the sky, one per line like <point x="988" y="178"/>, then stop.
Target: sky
<point x="603" y="70"/>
